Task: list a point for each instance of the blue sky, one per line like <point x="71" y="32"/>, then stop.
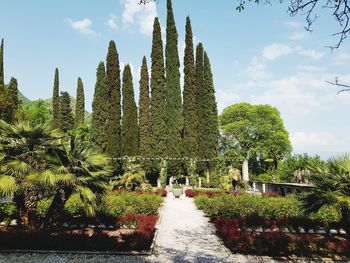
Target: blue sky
<point x="260" y="56"/>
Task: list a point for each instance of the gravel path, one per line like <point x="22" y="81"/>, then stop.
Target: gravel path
<point x="184" y="236"/>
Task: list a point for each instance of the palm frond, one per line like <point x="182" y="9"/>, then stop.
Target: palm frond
<point x="8" y="185"/>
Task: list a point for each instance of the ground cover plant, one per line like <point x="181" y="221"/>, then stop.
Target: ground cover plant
<point x="276" y="226"/>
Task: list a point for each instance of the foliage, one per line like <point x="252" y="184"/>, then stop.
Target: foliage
<point x="113" y="107"/>
<point x="174" y="117"/>
<point x="145" y="137"/>
<point x="56" y="102"/>
<point x="66" y="114"/>
<point x="7" y="212"/>
<point x="190" y="144"/>
<point x="80" y="105"/>
<point x="99" y="111"/>
<point x="130" y="130"/>
<point x="254" y="131"/>
<point x="294" y="162"/>
<point x="134" y="178"/>
<point x="158" y="95"/>
<point x="37" y="113"/>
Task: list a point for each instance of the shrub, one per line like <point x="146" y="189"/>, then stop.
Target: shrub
<point x="7" y="212"/>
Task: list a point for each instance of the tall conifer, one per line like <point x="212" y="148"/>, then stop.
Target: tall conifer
<point x="66" y="113"/>
<point x="208" y="125"/>
<point x="199" y="90"/>
<point x="113" y="101"/>
<point x="144" y="113"/>
<point x="2" y="80"/>
<point x="99" y="108"/>
<point x="158" y="122"/>
<point x="174" y="118"/>
<point x="80" y="104"/>
<point x="190" y="146"/>
<point x="129" y="117"/>
<point x="11" y="96"/>
<point x="56" y="102"/>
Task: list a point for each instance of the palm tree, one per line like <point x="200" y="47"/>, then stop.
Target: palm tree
<point x="332" y="188"/>
<point x="25" y="151"/>
<point x="79" y="169"/>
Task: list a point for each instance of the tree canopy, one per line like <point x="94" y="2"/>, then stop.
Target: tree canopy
<point x="257" y="130"/>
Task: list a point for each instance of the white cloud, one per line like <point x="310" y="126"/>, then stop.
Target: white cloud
<point x="140" y="15"/>
<point x="341" y="57"/>
<point x="319" y="141"/>
<point x="83" y="26"/>
<point x="292" y="24"/>
<point x="226" y="98"/>
<point x="297" y="35"/>
<point x="310" y="53"/>
<point x="275" y="50"/>
<point x="256" y="69"/>
<point x="112" y="22"/>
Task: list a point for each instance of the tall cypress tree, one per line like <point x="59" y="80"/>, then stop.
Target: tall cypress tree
<point x="174" y="118"/>
<point x="208" y="126"/>
<point x="80" y="104"/>
<point x="11" y="96"/>
<point x="2" y="80"/>
<point x="158" y="122"/>
<point x="190" y="146"/>
<point x="145" y="138"/>
<point x="66" y="113"/>
<point x="56" y="102"/>
<point x="113" y="102"/>
<point x="129" y="118"/>
<point x="199" y="82"/>
<point x="99" y="108"/>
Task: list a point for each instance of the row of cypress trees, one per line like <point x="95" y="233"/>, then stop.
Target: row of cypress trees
<point x="164" y="126"/>
<point x="62" y="114"/>
<point x="9" y="102"/>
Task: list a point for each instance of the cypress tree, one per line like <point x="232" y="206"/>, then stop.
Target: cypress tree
<point x="80" y="104"/>
<point x="208" y="115"/>
<point x="144" y="113"/>
<point x="56" y="102"/>
<point x="189" y="96"/>
<point x="99" y="107"/>
<point x="158" y="122"/>
<point x="113" y="102"/>
<point x="129" y="118"/>
<point x="11" y="95"/>
<point x="66" y="113"/>
<point x="2" y="80"/>
<point x="199" y="88"/>
<point x="174" y="118"/>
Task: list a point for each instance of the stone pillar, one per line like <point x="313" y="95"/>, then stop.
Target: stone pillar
<point x="207" y="174"/>
<point x="200" y="182"/>
<point x="264" y="188"/>
<point x="159" y="184"/>
<point x="187" y="181"/>
<point x="254" y="187"/>
<point x="245" y="170"/>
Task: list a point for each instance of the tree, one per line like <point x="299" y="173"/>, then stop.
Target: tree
<point x="2" y="79"/>
<point x="129" y="118"/>
<point x="56" y="101"/>
<point x="145" y="137"/>
<point x="12" y="105"/>
<point x="158" y="103"/>
<point x="99" y="108"/>
<point x="190" y="146"/>
<point x="113" y="114"/>
<point x="25" y="152"/>
<point x="66" y="114"/>
<point x="199" y="83"/>
<point x="254" y="130"/>
<point x="174" y="118"/>
<point x="36" y="113"/>
<point x="80" y="104"/>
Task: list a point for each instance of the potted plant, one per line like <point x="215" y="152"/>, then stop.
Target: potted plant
<point x="177" y="190"/>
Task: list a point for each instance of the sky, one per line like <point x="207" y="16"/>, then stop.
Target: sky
<point x="260" y="56"/>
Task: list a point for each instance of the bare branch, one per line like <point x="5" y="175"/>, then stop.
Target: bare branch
<point x="338" y="84"/>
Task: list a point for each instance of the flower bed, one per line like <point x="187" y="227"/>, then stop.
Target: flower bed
<point x="274" y="226"/>
<point x="209" y="193"/>
<point x="137" y="238"/>
<point x="123" y="221"/>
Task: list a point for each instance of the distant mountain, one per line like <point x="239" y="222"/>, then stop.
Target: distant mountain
<point x="27" y="102"/>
